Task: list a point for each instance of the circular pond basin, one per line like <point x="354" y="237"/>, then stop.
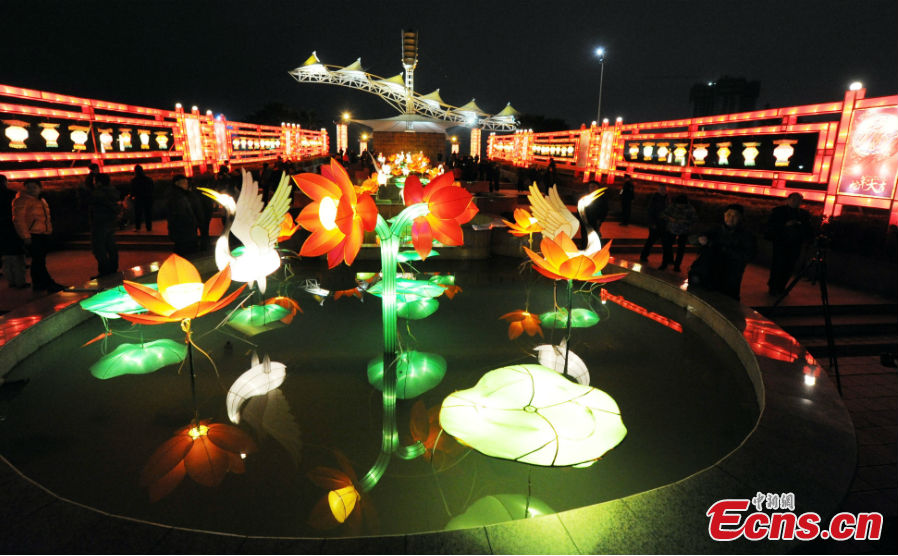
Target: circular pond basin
<point x="683" y="395"/>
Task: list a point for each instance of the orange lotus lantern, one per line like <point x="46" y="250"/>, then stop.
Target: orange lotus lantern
<point x="205" y="451"/>
<point x="337" y="217"/>
<point x="562" y="260"/>
<point x="288" y="228"/>
<point x="449" y="206"/>
<point x="181" y="295"/>
<point x="343" y="500"/>
<point x="520" y="322"/>
<point x="524" y="224"/>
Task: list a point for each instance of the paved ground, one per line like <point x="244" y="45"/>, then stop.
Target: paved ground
<point x="869" y="389"/>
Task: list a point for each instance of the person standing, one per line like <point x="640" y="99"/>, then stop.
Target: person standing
<point x="657" y="204"/>
<point x="627" y="193"/>
<point x="142" y="193"/>
<point x="731" y="247"/>
<point x="104" y="214"/>
<point x="678" y="218"/>
<point x="788" y="228"/>
<point x="31" y="218"/>
<point x="181" y="216"/>
<point x="11" y="247"/>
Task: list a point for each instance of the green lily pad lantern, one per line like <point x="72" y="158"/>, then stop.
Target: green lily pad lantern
<point x="139" y="359"/>
<point x="416" y="373"/>
<point x="256" y="319"/>
<point x="111" y="302"/>
<point x="531" y="414"/>
<point x="413" y="307"/>
<point x="580" y="318"/>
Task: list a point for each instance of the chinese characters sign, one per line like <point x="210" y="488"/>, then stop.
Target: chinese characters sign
<point x="870" y="166"/>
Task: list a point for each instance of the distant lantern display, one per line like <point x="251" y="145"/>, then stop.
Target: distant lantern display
<point x="634" y="151"/>
<point x="144" y="136"/>
<point x="699" y="153"/>
<point x="50" y="134"/>
<point x="680" y="153"/>
<point x="16" y="133"/>
<point x="124" y="138"/>
<point x="723" y="153"/>
<point x="663" y="151"/>
<point x="783" y="151"/>
<point x="105" y="139"/>
<point x="162" y="140"/>
<point x="78" y="135"/>
<point x="647" y="149"/>
<point x="750" y="152"/>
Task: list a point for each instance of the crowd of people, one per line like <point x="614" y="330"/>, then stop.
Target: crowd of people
<point x="724" y="250"/>
<point x="727" y="247"/>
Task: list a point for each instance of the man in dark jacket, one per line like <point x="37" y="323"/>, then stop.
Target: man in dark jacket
<point x="730" y="248"/>
<point x="788" y="228"/>
<point x="182" y="220"/>
<point x="657" y="204"/>
<point x="104" y="214"/>
<point x="142" y="193"/>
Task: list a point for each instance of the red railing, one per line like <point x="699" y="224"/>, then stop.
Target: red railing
<point x="839" y="153"/>
<point x="48" y="135"/>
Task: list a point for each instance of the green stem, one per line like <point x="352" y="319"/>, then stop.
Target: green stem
<point x="390" y="239"/>
<point x="196" y="411"/>
<point x="570" y="310"/>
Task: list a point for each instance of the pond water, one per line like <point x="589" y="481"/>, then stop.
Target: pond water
<point x="683" y="395"/>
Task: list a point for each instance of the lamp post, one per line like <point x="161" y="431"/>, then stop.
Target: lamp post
<point x="600" y="53"/>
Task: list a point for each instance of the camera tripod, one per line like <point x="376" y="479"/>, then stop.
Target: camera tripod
<point x="815" y="270"/>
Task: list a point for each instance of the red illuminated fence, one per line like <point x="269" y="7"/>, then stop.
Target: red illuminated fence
<point x="48" y="135"/>
<point x="840" y="153"/>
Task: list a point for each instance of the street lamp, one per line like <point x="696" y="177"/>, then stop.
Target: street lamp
<point x="600" y="53"/>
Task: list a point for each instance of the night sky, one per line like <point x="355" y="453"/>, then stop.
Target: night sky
<point x="233" y="57"/>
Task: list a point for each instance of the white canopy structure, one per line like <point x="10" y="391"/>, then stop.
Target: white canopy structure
<point x="395" y="92"/>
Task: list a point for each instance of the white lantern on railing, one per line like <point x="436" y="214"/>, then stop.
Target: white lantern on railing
<point x="50" y="134"/>
<point x="16" y="133"/>
<point x="783" y="151"/>
<point x="162" y="140"/>
<point x="105" y="139"/>
<point x="144" y="136"/>
<point x="78" y="135"/>
<point x="750" y="153"/>
<point x="699" y="153"/>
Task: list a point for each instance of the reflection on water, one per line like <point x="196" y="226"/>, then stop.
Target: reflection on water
<point x="307" y="434"/>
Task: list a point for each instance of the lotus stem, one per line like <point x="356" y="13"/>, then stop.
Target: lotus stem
<point x="570" y="310"/>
